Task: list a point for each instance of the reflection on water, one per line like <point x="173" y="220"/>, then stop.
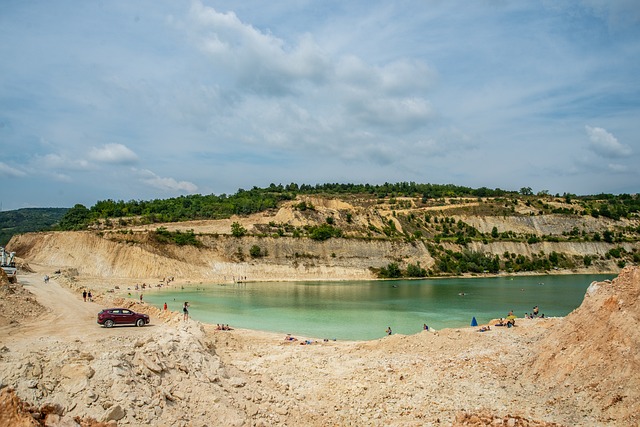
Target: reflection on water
<point x="362" y="310"/>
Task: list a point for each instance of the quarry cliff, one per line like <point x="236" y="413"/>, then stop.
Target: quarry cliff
<point x="363" y="239"/>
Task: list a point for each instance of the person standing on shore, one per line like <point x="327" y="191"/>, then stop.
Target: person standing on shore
<point x="185" y="311"/>
<point x="84" y="295"/>
<point x="165" y="306"/>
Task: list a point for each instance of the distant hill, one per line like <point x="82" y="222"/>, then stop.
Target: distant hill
<point x="28" y="219"/>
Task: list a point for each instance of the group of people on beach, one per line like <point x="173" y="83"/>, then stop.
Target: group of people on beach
<point x="163" y="281"/>
<point x="510" y="320"/>
<point x="86" y="295"/>
<point x="534" y="314"/>
<point x="221" y="327"/>
<point x="185" y="309"/>
<point x="290" y="338"/>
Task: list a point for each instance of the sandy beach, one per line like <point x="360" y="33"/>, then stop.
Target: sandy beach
<point x="173" y="372"/>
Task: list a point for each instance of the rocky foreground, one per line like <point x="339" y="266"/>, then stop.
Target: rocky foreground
<point x="59" y="368"/>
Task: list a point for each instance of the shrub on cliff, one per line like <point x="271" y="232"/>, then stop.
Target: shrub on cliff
<point x="162" y="235"/>
<point x="324" y="232"/>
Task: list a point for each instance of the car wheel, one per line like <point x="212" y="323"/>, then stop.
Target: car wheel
<point x="108" y="323"/>
<point x="140" y="322"/>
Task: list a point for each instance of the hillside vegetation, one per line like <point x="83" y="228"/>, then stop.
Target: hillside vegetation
<point x="28" y="219"/>
<point x="345" y="232"/>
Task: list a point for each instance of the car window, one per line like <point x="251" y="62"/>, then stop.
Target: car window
<point x="115" y="312"/>
<point x="126" y="312"/>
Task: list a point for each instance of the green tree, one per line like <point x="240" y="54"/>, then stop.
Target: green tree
<point x="237" y="230"/>
<point x="494" y="232"/>
<point x="416" y="270"/>
<point x="608" y="236"/>
<point x="391" y="271"/>
<point x="76" y="218"/>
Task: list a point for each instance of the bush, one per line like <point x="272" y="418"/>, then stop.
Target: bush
<point x="416" y="270"/>
<point x="303" y="206"/>
<point x="616" y="252"/>
<point x="162" y="235"/>
<point x="324" y="232"/>
<point x="255" y="251"/>
<point x="237" y="230"/>
<point x="608" y="236"/>
<point x="186" y="238"/>
<point x="391" y="271"/>
<point x="533" y="239"/>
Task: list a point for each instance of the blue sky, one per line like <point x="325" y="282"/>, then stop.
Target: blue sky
<point x="154" y="99"/>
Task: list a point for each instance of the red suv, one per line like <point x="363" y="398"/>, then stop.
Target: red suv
<point x="121" y="316"/>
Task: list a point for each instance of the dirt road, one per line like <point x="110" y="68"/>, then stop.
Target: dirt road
<point x="66" y="317"/>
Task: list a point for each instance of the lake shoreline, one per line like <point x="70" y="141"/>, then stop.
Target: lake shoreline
<point x="300" y="307"/>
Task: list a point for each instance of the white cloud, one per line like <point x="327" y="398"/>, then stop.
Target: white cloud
<point x="404" y="113"/>
<point x="447" y="141"/>
<point x="605" y="144"/>
<point x="616" y="12"/>
<point x="60" y="162"/>
<point x="407" y="77"/>
<point x="615" y="167"/>
<point x="391" y="98"/>
<point x="113" y="153"/>
<point x="256" y="60"/>
<point x="166" y="184"/>
<point x="61" y="177"/>
<point x="8" y="171"/>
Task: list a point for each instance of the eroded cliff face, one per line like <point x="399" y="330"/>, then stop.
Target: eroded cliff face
<point x="227" y="258"/>
<point x="223" y="258"/>
<point x="544" y="224"/>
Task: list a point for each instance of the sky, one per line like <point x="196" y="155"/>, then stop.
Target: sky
<point x="152" y="99"/>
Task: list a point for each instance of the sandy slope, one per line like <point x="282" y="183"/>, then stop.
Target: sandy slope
<point x="186" y="374"/>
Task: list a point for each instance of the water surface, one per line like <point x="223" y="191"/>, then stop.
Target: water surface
<point x="362" y="310"/>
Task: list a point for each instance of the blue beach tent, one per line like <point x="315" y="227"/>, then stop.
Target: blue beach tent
<point x="474" y="322"/>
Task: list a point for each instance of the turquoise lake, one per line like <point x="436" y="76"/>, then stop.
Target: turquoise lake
<point x="362" y="310"/>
